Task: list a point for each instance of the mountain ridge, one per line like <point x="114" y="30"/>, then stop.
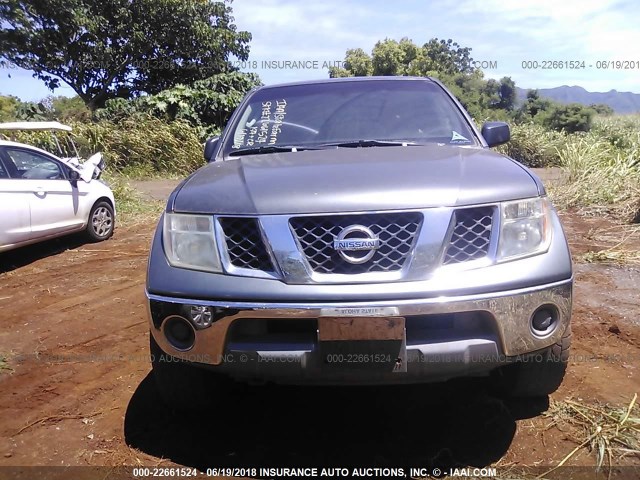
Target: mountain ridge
<point x="620" y="102"/>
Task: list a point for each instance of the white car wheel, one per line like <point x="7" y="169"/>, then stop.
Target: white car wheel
<point x="101" y="222"/>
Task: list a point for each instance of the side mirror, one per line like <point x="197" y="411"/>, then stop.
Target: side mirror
<point x="496" y="133"/>
<point x="210" y="147"/>
<point x="74" y="176"/>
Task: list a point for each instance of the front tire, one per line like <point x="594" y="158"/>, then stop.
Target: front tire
<point x="537" y="375"/>
<point x="182" y="386"/>
<point x="101" y="222"/>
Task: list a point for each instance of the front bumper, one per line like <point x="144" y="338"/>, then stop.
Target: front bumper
<point x="447" y="336"/>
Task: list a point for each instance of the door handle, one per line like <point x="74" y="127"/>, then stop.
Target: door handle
<point x="40" y="192"/>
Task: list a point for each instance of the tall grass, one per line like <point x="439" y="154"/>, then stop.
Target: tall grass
<point x="139" y="146"/>
<point x="602" y="166"/>
<point x="534" y="146"/>
<point x="603" y="169"/>
<point x="143" y="146"/>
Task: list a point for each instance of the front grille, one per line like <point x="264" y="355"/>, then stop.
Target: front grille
<point x="244" y="243"/>
<point x="396" y="232"/>
<point x="471" y="235"/>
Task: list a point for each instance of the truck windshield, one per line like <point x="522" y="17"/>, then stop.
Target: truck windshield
<point x="348" y="114"/>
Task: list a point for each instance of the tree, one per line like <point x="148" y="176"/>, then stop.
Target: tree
<point x="446" y="56"/>
<point x="533" y="106"/>
<point x="507" y="93"/>
<point x="33" y="112"/>
<point x="65" y="109"/>
<point x="443" y="59"/>
<point x="491" y="93"/>
<point x="388" y="58"/>
<point x="120" y="48"/>
<point x="8" y="106"/>
<point x="358" y="63"/>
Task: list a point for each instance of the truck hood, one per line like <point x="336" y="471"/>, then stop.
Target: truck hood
<point x="355" y="179"/>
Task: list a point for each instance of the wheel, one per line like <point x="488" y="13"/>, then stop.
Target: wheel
<point x="182" y="386"/>
<point x="101" y="222"/>
<point x="536" y="375"/>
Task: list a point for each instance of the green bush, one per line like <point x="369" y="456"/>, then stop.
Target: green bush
<point x="569" y="118"/>
<point x="602" y="109"/>
<point x="206" y="105"/>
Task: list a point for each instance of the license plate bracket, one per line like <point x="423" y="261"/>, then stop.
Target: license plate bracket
<point x="363" y="343"/>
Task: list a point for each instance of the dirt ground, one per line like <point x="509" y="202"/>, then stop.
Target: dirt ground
<point x="75" y="388"/>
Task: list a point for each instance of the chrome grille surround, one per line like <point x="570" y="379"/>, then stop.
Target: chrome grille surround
<point x="245" y="246"/>
<point x="397" y="233"/>
<point x="471" y="235"/>
<point x="427" y="254"/>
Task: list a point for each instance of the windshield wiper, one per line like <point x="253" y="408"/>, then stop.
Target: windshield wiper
<point x="294" y="148"/>
<point x="369" y="143"/>
<point x="268" y="149"/>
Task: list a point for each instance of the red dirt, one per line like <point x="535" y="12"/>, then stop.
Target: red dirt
<point x="77" y="392"/>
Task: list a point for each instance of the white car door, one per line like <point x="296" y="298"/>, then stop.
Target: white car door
<point x="15" y="222"/>
<point x="54" y="201"/>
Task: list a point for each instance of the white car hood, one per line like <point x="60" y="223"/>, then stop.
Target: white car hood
<point x="87" y="168"/>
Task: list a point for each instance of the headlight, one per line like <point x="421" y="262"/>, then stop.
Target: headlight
<point x="189" y="242"/>
<point x="525" y="228"/>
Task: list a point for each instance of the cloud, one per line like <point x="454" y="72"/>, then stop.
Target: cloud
<point x="283" y="29"/>
<point x="496" y="30"/>
<point x="506" y="32"/>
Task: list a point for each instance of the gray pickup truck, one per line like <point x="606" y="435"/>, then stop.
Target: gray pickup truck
<point x="358" y="231"/>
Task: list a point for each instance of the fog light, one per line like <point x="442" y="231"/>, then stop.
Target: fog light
<point x="179" y="332"/>
<point x="201" y="316"/>
<point x="544" y="320"/>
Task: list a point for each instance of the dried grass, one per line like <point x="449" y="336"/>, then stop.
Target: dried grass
<point x="618" y="253"/>
<point x="4" y="365"/>
<point x="609" y="433"/>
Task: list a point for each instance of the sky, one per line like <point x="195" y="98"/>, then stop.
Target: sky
<point x="505" y="38"/>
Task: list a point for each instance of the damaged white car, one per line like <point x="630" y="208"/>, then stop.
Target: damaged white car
<point x="44" y="196"/>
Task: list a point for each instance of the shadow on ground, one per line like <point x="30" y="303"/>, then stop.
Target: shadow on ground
<point x="452" y="424"/>
<point x="20" y="257"/>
